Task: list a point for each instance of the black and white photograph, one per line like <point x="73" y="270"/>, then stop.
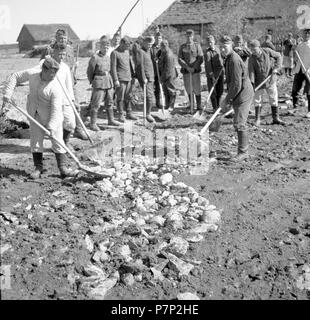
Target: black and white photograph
<point x="155" y="155"/>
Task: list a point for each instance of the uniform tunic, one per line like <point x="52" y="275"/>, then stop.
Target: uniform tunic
<point x="44" y="104"/>
<point x="98" y="74"/>
<point x="155" y="55"/>
<point x="240" y="91"/>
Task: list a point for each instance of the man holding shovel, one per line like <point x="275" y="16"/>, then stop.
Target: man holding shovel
<point x="169" y="74"/>
<point x="302" y="73"/>
<point x="239" y="96"/>
<point x="261" y="65"/>
<point x="190" y="59"/>
<point x="214" y="71"/>
<point x="155" y="54"/>
<point x="44" y="104"/>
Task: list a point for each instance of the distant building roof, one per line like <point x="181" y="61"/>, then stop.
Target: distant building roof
<point x="45" y="32"/>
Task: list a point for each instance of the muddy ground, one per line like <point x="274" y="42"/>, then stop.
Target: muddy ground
<point x="259" y="252"/>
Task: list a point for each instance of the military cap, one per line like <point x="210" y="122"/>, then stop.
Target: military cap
<point x="158" y="34"/>
<point x="50" y="63"/>
<point x="210" y="37"/>
<point x="190" y="32"/>
<point x="149" y="39"/>
<point x="126" y="40"/>
<point x="105" y="39"/>
<point x="238" y="38"/>
<point x="62" y="32"/>
<point x="226" y="40"/>
<point x="254" y="43"/>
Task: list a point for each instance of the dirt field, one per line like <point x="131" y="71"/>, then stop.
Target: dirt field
<point x="52" y="229"/>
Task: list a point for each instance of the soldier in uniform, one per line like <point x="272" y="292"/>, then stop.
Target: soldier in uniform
<point x="155" y="54"/>
<point x="239" y="96"/>
<point x="145" y="74"/>
<point x="123" y="77"/>
<point x="44" y="104"/>
<point x="241" y="49"/>
<point x="260" y="67"/>
<point x="168" y="74"/>
<point x="214" y="71"/>
<point x="98" y="74"/>
<point x="61" y="39"/>
<point x="191" y="58"/>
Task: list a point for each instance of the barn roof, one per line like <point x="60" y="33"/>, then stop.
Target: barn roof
<point x="183" y="12"/>
<point x="45" y="32"/>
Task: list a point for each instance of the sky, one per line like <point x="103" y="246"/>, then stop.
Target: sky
<point x="90" y="19"/>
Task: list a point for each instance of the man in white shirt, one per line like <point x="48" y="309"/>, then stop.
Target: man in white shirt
<point x="302" y="75"/>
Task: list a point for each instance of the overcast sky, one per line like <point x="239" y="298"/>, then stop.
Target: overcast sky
<point x="88" y="18"/>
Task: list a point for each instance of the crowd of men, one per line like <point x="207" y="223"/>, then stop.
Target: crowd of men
<point x="249" y="71"/>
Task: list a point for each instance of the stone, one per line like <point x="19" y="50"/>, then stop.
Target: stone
<point x="152" y="176"/>
<point x="195" y="238"/>
<point x="303" y="282"/>
<point x="4" y="248"/>
<point x="140" y="222"/>
<point x="171" y="201"/>
<point x="179" y="265"/>
<point x="187" y="296"/>
<point x="157" y="275"/>
<point x="165" y="194"/>
<point x="178" y="246"/>
<point x="180" y="186"/>
<point x="128" y="279"/>
<point x="211" y="217"/>
<point x="89" y="244"/>
<point x="100" y="256"/>
<point x="94" y="272"/>
<point x="138" y="277"/>
<point x="203" y="201"/>
<point x="166" y="179"/>
<point x="204" y="228"/>
<point x="133" y="230"/>
<point x="158" y="220"/>
<point x="124" y="251"/>
<point x="9" y="217"/>
<point x="100" y="291"/>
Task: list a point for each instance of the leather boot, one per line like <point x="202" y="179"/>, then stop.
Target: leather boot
<point x="172" y="99"/>
<point x="198" y="102"/>
<point x="129" y="114"/>
<point x="64" y="172"/>
<point x="121" y="117"/>
<point x="243" y="146"/>
<point x="149" y="117"/>
<point x="38" y="165"/>
<point x="275" y="116"/>
<point x="111" y="120"/>
<point x="257" y="115"/>
<point x="66" y="136"/>
<point x="79" y="131"/>
<point x="93" y="121"/>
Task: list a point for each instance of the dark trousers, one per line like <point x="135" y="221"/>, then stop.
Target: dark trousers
<point x="218" y="91"/>
<point x="170" y="90"/>
<point x="157" y="91"/>
<point x="99" y="95"/>
<point x="299" y="79"/>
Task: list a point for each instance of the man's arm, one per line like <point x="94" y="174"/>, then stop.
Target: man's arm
<point x="91" y="69"/>
<point x="199" y="59"/>
<point x="181" y="60"/>
<point x="114" y="67"/>
<point x="235" y="85"/>
<point x="251" y="70"/>
<point x="277" y="56"/>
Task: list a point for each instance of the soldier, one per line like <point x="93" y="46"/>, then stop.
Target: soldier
<point x="260" y="67"/>
<point x="98" y="74"/>
<point x="44" y="104"/>
<point x="62" y="39"/>
<point x="214" y="71"/>
<point x="155" y="54"/>
<point x="288" y="56"/>
<point x="268" y="43"/>
<point x="115" y="42"/>
<point x="145" y="74"/>
<point x="190" y="58"/>
<point x="168" y="74"/>
<point x="302" y="75"/>
<point x="239" y="96"/>
<point x="241" y="49"/>
<point x="122" y="72"/>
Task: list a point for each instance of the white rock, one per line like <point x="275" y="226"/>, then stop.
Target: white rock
<point x="89" y="244"/>
<point x="187" y="296"/>
<point x="4" y="248"/>
<point x="102" y="289"/>
<point x="165" y="194"/>
<point x="157" y="275"/>
<point x="178" y="246"/>
<point x="210" y="207"/>
<point x="140" y="222"/>
<point x="171" y="201"/>
<point x="152" y="176"/>
<point x="95" y="272"/>
<point x="195" y="238"/>
<point x="124" y="251"/>
<point x="174" y="216"/>
<point x="166" y="179"/>
<point x="139" y="277"/>
<point x="137" y="191"/>
<point x="204" y="228"/>
<point x="158" y="220"/>
<point x="211" y="217"/>
<point x="146" y="196"/>
<point x="179" y="265"/>
<point x="180" y="186"/>
<point x="129" y="189"/>
<point x="150" y="203"/>
<point x="203" y="201"/>
<point x="128" y="279"/>
<point x="186" y="199"/>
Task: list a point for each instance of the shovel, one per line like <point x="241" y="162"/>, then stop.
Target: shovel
<point x="74" y="110"/>
<point x="62" y="144"/>
<point x="200" y="115"/>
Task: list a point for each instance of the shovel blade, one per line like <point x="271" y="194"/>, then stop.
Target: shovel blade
<point x="215" y="125"/>
<point x="98" y="172"/>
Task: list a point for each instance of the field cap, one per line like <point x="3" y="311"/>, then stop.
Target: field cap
<point x="50" y="63"/>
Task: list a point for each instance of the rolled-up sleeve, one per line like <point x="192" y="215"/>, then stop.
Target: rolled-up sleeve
<point x="14" y="80"/>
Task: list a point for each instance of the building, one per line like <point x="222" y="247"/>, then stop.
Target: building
<point x="41" y="34"/>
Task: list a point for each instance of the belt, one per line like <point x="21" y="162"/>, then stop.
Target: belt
<point x="105" y="73"/>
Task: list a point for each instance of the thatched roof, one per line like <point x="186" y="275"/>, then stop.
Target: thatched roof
<point x="45" y="32"/>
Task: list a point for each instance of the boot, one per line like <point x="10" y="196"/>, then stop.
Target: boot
<point x="275" y="116"/>
<point x="121" y="117"/>
<point x="198" y="101"/>
<point x="257" y="115"/>
<point x="79" y="131"/>
<point x="64" y="172"/>
<point x="66" y="136"/>
<point x="93" y="121"/>
<point x="172" y="102"/>
<point x="129" y="114"/>
<point x="38" y="165"/>
<point x="149" y="117"/>
<point x="243" y="145"/>
<point x="111" y="120"/>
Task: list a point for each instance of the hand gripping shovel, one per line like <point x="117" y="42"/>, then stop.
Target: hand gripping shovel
<point x="200" y="115"/>
<point x="74" y="110"/>
<point x="215" y="126"/>
<point x="98" y="173"/>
